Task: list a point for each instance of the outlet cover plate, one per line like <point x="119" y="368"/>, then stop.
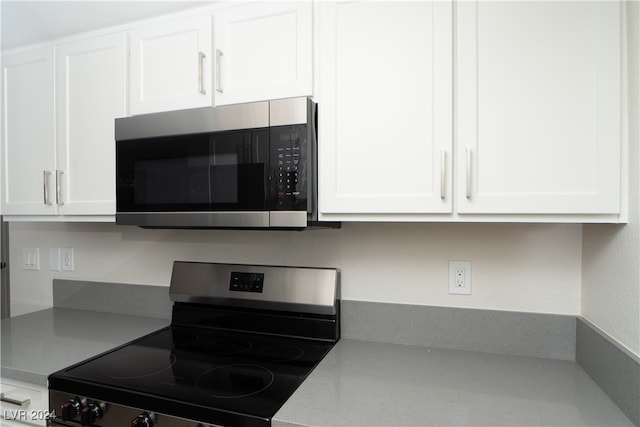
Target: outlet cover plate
<point x="460" y="277"/>
<point x="67" y="259"/>
<point x="31" y="258"/>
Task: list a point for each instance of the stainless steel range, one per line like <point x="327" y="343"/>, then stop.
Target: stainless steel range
<point x="242" y="339"/>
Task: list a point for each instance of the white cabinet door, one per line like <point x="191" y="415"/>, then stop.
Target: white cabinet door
<point x="171" y="65"/>
<point x="91" y="93"/>
<point x="263" y="51"/>
<point x="28" y="132"/>
<point x="538" y="107"/>
<point x="385" y="107"/>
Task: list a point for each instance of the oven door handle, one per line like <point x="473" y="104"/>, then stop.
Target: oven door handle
<point x="21" y="403"/>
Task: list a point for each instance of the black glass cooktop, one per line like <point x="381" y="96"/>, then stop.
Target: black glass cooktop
<point x="206" y="373"/>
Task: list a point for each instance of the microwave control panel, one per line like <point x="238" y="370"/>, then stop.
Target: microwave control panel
<point x="289" y="157"/>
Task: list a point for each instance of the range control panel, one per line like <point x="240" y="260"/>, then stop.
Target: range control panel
<point x="246" y="282"/>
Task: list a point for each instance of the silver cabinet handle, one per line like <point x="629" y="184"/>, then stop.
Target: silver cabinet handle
<point x="22" y="403"/>
<point x="469" y="159"/>
<point x="201" y="57"/>
<point x="219" y="55"/>
<point x="59" y="187"/>
<point x="45" y="179"/>
<point x="443" y="174"/>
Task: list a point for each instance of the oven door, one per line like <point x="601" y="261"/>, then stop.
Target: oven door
<point x="205" y="180"/>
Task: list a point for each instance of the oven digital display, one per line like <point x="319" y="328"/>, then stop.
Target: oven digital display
<point x="246" y="282"/>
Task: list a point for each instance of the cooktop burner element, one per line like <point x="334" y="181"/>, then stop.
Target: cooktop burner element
<point x="282" y="353"/>
<point x="229" y="357"/>
<point x="137" y="365"/>
<point x="229" y="381"/>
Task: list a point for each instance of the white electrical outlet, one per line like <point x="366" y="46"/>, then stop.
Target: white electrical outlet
<point x="67" y="259"/>
<point x="460" y="277"/>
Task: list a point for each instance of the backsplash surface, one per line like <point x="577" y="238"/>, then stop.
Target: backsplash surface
<point x="515" y="267"/>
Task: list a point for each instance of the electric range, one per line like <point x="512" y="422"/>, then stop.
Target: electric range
<point x="242" y="339"/>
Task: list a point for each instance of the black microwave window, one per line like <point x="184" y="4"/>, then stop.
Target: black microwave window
<point x="164" y="174"/>
<point x="167" y="181"/>
<point x="239" y="170"/>
<point x="226" y="171"/>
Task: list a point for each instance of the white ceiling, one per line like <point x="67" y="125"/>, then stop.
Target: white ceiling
<point x="25" y="22"/>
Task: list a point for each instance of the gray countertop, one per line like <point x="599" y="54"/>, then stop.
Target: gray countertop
<point x="361" y="383"/>
<point x="37" y="344"/>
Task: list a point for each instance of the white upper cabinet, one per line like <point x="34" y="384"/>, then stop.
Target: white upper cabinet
<point x="385" y="108"/>
<point x="28" y="138"/>
<point x="263" y="51"/>
<point x="58" y="139"/>
<point x="171" y="65"/>
<point x="538" y="107"/>
<point x="536" y="102"/>
<point x="91" y="93"/>
<point x="427" y="110"/>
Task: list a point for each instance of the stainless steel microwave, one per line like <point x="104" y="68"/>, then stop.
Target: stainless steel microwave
<point x="240" y="166"/>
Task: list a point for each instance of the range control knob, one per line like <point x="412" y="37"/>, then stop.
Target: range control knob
<point x="71" y="409"/>
<point x="91" y="413"/>
<point x="143" y="420"/>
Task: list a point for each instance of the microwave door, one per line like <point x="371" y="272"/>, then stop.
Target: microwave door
<point x="205" y="180"/>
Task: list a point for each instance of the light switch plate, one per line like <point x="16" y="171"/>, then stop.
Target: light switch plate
<point x="31" y="258"/>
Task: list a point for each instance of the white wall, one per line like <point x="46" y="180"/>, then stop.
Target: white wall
<point x="521" y="267"/>
<point x="611" y="254"/>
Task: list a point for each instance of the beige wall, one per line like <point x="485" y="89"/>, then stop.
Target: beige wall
<point x="611" y="254"/>
<point x="522" y="267"/>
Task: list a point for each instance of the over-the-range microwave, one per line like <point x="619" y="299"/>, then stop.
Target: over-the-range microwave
<point x="239" y="166"/>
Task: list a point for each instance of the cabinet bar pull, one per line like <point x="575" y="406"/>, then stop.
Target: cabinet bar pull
<point x="219" y="55"/>
<point x="201" y="57"/>
<point x="443" y="174"/>
<point x="45" y="179"/>
<point x="58" y="187"/>
<point x="469" y="172"/>
<point x="22" y="403"/>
